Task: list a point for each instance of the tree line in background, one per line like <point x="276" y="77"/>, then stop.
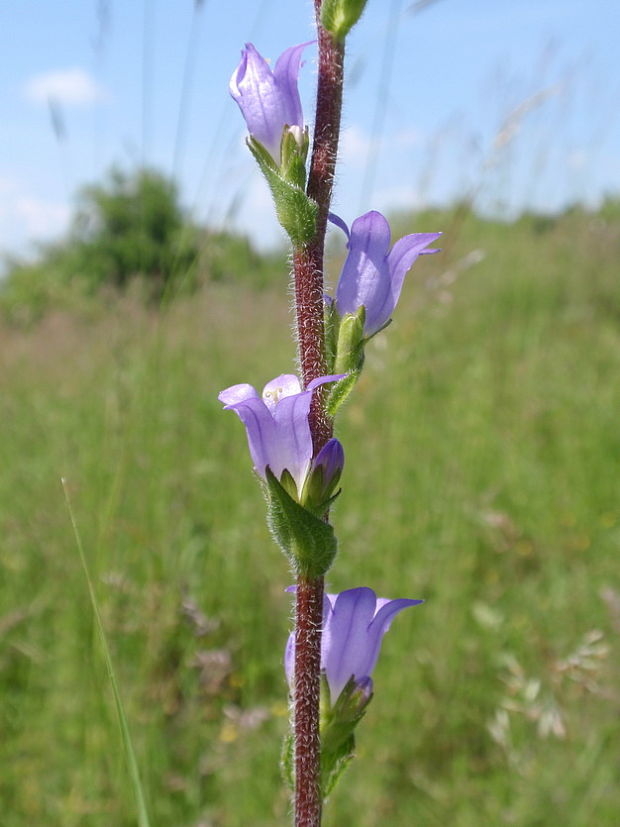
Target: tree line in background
<point x="130" y="231"/>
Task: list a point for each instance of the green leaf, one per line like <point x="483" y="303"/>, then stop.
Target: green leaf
<point x="307" y="540"/>
<point x="296" y="212"/>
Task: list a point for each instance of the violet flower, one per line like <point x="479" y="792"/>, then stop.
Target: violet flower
<point x="373" y="274"/>
<point x="277" y="425"/>
<point x="354" y="623"/>
<point x="268" y="100"/>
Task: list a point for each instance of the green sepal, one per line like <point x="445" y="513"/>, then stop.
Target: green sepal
<point x="334" y="764"/>
<point x="307" y="540"/>
<point x="348" y="334"/>
<point x="288" y="483"/>
<point x="287" y="761"/>
<point x="337" y="732"/>
<point x="316" y="496"/>
<point x="332" y="324"/>
<point x="339" y="16"/>
<point x="296" y="212"/>
<point x="350" y="342"/>
<point x="293" y="157"/>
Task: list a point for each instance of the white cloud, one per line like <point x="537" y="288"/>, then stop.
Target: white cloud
<point x="40" y="218"/>
<point x="71" y="87"/>
<point x="26" y="217"/>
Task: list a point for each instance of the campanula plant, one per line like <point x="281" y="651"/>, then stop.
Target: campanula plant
<point x="335" y="643"/>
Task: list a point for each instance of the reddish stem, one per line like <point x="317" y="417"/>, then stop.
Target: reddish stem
<point x="308" y="620"/>
<point x="309" y="303"/>
<point x="308" y="259"/>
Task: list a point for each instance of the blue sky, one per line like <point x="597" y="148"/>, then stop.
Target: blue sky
<point x="516" y="104"/>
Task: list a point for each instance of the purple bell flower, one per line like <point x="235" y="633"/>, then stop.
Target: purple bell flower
<point x="373" y="274"/>
<point x="268" y="100"/>
<point x="354" y="623"/>
<point x="277" y="424"/>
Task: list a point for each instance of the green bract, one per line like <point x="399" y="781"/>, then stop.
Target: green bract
<point x="338" y="730"/>
<point x="339" y="16"/>
<point x="348" y="353"/>
<point x="295" y="210"/>
<point x="293" y="154"/>
<point x="307" y="540"/>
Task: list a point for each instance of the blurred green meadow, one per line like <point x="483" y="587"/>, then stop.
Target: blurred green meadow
<point x="482" y="448"/>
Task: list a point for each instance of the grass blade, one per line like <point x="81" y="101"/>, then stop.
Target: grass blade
<point x="143" y="818"/>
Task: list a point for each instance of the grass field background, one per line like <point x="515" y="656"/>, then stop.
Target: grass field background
<point x="482" y="450"/>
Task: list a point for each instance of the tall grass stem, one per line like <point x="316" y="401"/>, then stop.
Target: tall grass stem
<point x="130" y="756"/>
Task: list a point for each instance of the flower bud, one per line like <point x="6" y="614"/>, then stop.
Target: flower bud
<point x="323" y="477"/>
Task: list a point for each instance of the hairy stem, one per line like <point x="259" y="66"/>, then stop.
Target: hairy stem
<point x="308" y="259"/>
<point x="308" y="619"/>
<point x="308" y="272"/>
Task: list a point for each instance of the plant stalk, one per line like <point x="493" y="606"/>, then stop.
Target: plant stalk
<point x="309" y="303"/>
<point x="308" y="620"/>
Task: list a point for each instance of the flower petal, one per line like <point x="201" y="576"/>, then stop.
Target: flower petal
<point x="282" y="386"/>
<point x="339" y="222"/>
<point x="260" y="429"/>
<point x="323" y="380"/>
<point x="379" y="626"/>
<point x="346" y="651"/>
<point x="237" y="393"/>
<point x="293" y="445"/>
<point x="264" y="106"/>
<point x="331" y="458"/>
<point x="289" y="660"/>
<point x="365" y="275"/>
<point x="253" y="87"/>
<point x="286" y="73"/>
<point x="289" y="652"/>
<point x="401" y="258"/>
